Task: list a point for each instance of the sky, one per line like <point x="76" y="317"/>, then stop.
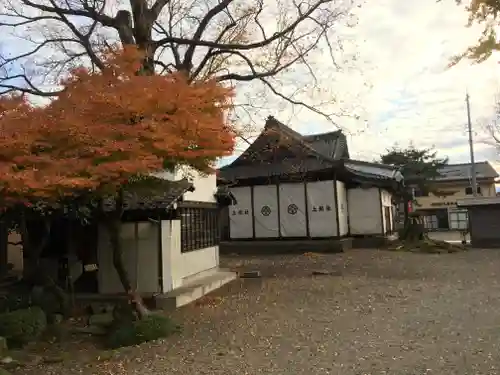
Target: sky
<point x="404" y="48"/>
<point x="399" y="83"/>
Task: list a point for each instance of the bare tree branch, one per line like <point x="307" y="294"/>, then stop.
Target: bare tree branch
<point x="187" y="63"/>
<point x="233" y="41"/>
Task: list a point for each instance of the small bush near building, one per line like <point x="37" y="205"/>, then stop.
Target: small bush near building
<point x="14" y="301"/>
<point x="22" y="326"/>
<point x="152" y="327"/>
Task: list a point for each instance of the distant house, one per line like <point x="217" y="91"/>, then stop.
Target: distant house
<point x="439" y="203"/>
<point x="288" y="186"/>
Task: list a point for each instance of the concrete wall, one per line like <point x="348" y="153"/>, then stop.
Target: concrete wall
<point x="178" y="268"/>
<point x="343" y="208"/>
<point x="364" y="211"/>
<point x="140" y="244"/>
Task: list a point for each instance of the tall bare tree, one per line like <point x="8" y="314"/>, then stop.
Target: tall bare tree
<point x="233" y="40"/>
<point x="491" y="125"/>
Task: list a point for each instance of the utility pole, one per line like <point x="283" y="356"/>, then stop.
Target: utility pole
<point x="471" y="148"/>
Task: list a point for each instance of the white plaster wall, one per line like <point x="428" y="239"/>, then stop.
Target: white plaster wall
<point x="364" y="211"/>
<point x="177" y="266"/>
<point x="140" y="244"/>
<point x="343" y="208"/>
<point x="205" y="185"/>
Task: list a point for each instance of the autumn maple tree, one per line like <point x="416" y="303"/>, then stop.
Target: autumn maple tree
<point x="486" y="14"/>
<point x="106" y="128"/>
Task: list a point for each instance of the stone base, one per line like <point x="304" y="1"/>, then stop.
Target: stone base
<point x="285" y="246"/>
<point x="372" y="242"/>
<point x="193" y="290"/>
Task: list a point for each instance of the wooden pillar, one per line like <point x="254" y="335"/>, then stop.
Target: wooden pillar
<point x="306" y="207"/>
<point x="336" y="205"/>
<point x="382" y="222"/>
<point x="278" y="204"/>
<point x="252" y="199"/>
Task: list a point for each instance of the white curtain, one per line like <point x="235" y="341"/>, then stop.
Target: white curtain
<point x="321" y="208"/>
<point x="265" y="206"/>
<point x="343" y="209"/>
<point x="292" y="201"/>
<point x="240" y="214"/>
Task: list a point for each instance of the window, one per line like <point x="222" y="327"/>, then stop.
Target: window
<point x="431" y="222"/>
<point x="468" y="190"/>
<point x="421" y="193"/>
<point x="199" y="228"/>
<point x="459" y="220"/>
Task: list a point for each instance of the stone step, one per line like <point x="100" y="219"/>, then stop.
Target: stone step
<point x="193" y="290"/>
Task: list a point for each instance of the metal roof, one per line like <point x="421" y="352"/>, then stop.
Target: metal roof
<point x="376" y="170"/>
<point x="478" y="201"/>
<point x="453" y="172"/>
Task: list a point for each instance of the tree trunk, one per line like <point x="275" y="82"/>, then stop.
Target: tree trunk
<point x="33" y="243"/>
<point x="33" y="271"/>
<point x="4" y="243"/>
<point x="113" y="226"/>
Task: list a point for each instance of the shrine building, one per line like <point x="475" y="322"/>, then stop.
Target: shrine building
<point x="287" y="187"/>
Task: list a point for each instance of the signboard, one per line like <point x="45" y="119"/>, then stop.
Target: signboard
<point x="441" y="204"/>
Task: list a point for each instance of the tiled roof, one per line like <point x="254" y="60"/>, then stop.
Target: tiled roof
<point x="452" y="172"/>
<point x="332" y="145"/>
<point x="314" y="152"/>
<point x="156" y="193"/>
<point x="284" y="167"/>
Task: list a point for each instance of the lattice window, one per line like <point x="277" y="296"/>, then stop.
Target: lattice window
<point x="431" y="222"/>
<point x="199" y="228"/>
<point x="459" y="220"/>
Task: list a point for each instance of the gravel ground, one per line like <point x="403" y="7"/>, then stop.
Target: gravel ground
<point x="377" y="313"/>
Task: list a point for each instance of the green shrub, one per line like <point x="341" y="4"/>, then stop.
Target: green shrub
<point x="14" y="301"/>
<point x="22" y="326"/>
<point x="150" y="328"/>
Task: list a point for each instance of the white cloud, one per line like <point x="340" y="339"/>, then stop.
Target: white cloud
<point x="414" y="97"/>
<point x="404" y="48"/>
<point x="398" y="82"/>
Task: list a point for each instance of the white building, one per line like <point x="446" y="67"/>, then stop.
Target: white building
<point x="170" y="242"/>
<point x="289" y="187"/>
